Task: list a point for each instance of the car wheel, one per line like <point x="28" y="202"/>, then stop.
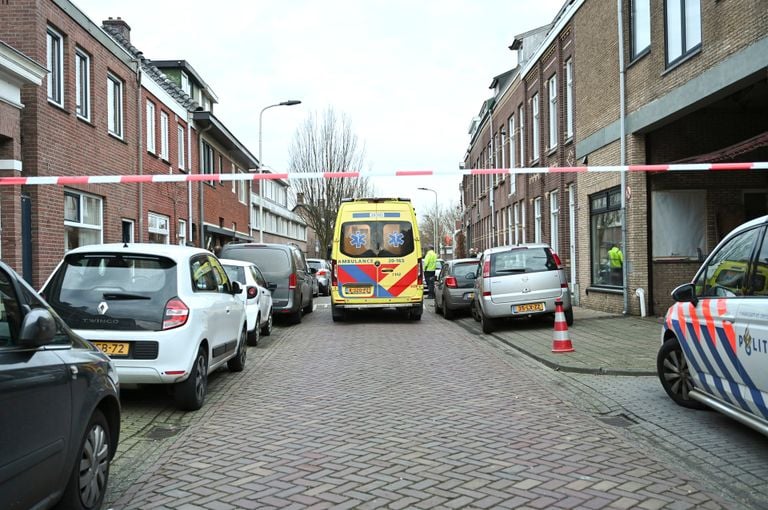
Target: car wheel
<point x="569" y="317"/>
<point x="310" y="306"/>
<point x="87" y="484"/>
<point x="338" y="314"/>
<point x="253" y="336"/>
<point x="295" y="317"/>
<point x="487" y="323"/>
<point x="237" y="364"/>
<point x="675" y="375"/>
<point x="190" y="393"/>
<point x="448" y="313"/>
<point x="438" y="308"/>
<point x="266" y="329"/>
<point x="474" y="308"/>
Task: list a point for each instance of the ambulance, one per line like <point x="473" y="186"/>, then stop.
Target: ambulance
<point x="714" y="343"/>
<point x="376" y="258"/>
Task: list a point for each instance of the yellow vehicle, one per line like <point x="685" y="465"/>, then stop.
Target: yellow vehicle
<point x="376" y="257"/>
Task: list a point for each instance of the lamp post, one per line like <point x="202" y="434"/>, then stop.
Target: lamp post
<point x="437" y="242"/>
<point x="261" y="166"/>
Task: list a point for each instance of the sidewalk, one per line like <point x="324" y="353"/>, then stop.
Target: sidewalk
<point x="604" y="343"/>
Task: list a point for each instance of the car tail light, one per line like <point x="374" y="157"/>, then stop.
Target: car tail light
<point x="176" y="314"/>
<point x="450" y="281"/>
<point x="334" y="273"/>
<point x="487" y="268"/>
<point x="292" y="281"/>
<point x="251" y="292"/>
<point x="557" y="260"/>
<point x="420" y="281"/>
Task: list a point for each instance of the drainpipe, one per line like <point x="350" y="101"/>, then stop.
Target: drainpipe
<point x="190" y="230"/>
<point x="201" y="186"/>
<point x="623" y="156"/>
<point x="140" y="143"/>
<point x="492" y="178"/>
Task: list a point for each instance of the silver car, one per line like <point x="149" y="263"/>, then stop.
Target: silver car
<point x="520" y="281"/>
<point x="454" y="286"/>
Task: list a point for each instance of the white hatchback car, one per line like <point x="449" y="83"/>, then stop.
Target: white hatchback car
<point x="165" y="314"/>
<point x="257" y="296"/>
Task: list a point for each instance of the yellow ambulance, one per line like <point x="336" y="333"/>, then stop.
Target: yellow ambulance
<point x="376" y="258"/>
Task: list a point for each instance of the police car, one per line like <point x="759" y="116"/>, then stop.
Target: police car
<point x="714" y="349"/>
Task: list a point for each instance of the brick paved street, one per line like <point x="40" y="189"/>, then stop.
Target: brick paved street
<point x="386" y="413"/>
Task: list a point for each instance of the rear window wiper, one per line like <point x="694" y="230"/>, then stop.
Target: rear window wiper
<point x="123" y="295"/>
<point x="515" y="270"/>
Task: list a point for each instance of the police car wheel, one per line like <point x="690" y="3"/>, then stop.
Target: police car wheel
<point x="675" y="375"/>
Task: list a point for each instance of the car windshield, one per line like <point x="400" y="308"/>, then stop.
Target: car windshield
<point x="376" y="238"/>
<point x="522" y="260"/>
<point x="115" y="291"/>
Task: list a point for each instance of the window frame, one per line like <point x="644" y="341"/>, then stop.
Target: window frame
<point x="554" y="220"/>
<point x="82" y="84"/>
<point x="535" y="127"/>
<point x="610" y="206"/>
<point x="55" y="64"/>
<point x="181" y="232"/>
<point x="79" y="223"/>
<point x="151" y="127"/>
<point x="164" y="142"/>
<point x="685" y="49"/>
<point x="156" y="228"/>
<point x="636" y="51"/>
<point x="569" y="98"/>
<point x="115" y="106"/>
<point x="537" y="220"/>
<point x="553" y="131"/>
<point x="181" y="137"/>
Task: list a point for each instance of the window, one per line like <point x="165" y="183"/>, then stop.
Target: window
<point x="503" y="148"/>
<point x="522" y="220"/>
<point x="569" y="98"/>
<point x="683" y="26"/>
<point x="535" y="127"/>
<point x="376" y="239"/>
<point x="127" y="231"/>
<point x="82" y="85"/>
<point x="82" y="220"/>
<point x="55" y="63"/>
<point x="516" y="215"/>
<point x="182" y="147"/>
<point x="115" y="106"/>
<point x="605" y="233"/>
<point x="242" y="189"/>
<point x="512" y="145"/>
<point x="553" y="112"/>
<point x="159" y="228"/>
<point x="203" y="277"/>
<point x="685" y="237"/>
<point x="185" y="83"/>
<point x="221" y="164"/>
<point x="554" y="218"/>
<point x="151" y="134"/>
<point x="206" y="160"/>
<point x="164" y="136"/>
<point x="537" y="220"/>
<point x="521" y="116"/>
<point x="725" y="274"/>
<point x="182" y="232"/>
<point x="10" y="318"/>
<point x="640" y="17"/>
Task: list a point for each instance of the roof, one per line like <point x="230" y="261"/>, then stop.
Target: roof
<point x="187" y="68"/>
<point x="222" y="135"/>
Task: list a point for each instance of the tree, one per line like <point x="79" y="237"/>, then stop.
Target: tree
<point x="326" y="144"/>
<point x="447" y="219"/>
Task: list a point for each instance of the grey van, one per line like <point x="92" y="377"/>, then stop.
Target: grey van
<point x="283" y="265"/>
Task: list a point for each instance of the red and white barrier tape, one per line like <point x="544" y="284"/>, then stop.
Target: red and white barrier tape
<point x="229" y="177"/>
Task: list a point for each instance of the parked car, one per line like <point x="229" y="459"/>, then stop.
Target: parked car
<point x="283" y="265"/>
<point x="520" y="281"/>
<point x="322" y="270"/>
<point x="438" y="267"/>
<point x="315" y="283"/>
<point x="60" y="411"/>
<point x="714" y="341"/>
<point x="257" y="297"/>
<point x="454" y="286"/>
<point x="165" y="314"/>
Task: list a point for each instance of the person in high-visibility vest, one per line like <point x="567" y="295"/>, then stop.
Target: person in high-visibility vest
<point x="430" y="264"/>
<point x="616" y="260"/>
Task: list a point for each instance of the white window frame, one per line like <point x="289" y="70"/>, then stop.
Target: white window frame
<point x="81" y="207"/>
<point x="164" y="135"/>
<point x="682" y="27"/>
<point x="554" y="220"/>
<point x="207" y="165"/>
<point x="552" y="85"/>
<point x="503" y="149"/>
<point x="512" y="144"/>
<point x="181" y="140"/>
<point x="521" y="119"/>
<point x="516" y="218"/>
<point x="569" y="98"/>
<point x="132" y="237"/>
<point x="82" y="84"/>
<point x="242" y="188"/>
<point x="115" y="105"/>
<point x="159" y="224"/>
<point x="55" y="63"/>
<point x="185" y="83"/>
<point x="537" y="220"/>
<point x="535" y="127"/>
<point x="522" y="221"/>
<point x="151" y="128"/>
<point x="181" y="232"/>
<point x="640" y="29"/>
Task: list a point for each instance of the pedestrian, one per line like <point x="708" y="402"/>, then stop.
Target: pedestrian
<point x="430" y="264"/>
<point x="616" y="260"/>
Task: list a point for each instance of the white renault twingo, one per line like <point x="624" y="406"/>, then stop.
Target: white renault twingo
<point x="715" y="338"/>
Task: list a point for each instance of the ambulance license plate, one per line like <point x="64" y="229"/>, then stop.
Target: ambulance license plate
<point x="113" y="348"/>
<point x="530" y="307"/>
<point x="357" y="290"/>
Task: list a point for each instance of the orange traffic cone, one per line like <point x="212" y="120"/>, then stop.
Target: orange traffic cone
<point x="561" y="341"/>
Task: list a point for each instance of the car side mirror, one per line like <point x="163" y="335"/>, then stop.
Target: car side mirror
<point x="236" y="288"/>
<point x="38" y="328"/>
<point x="685" y="293"/>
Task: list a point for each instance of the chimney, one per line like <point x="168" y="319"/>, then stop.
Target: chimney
<point x="119" y="26"/>
<point x="299" y="198"/>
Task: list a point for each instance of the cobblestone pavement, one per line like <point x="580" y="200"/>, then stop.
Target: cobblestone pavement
<point x="385" y="413"/>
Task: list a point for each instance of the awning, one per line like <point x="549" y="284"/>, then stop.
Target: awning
<point x="238" y="236"/>
<point x="732" y="152"/>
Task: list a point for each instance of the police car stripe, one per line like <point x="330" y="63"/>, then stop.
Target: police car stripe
<point x="749" y="385"/>
<point x="726" y="373"/>
<point x="697" y="344"/>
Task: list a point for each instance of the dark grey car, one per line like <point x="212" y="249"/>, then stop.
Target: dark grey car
<point x="283" y="265"/>
<point x="454" y="286"/>
<point x="59" y="406"/>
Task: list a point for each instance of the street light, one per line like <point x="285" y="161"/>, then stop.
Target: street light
<point x="437" y="243"/>
<point x="261" y="167"/>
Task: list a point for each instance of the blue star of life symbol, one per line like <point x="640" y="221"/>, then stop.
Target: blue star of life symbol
<point x="357" y="239"/>
<point x="396" y="239"/>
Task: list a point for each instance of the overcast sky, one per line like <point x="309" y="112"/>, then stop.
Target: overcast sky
<point x="409" y="74"/>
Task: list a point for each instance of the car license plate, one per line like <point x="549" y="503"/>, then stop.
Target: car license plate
<point x="113" y="348"/>
<point x="357" y="290"/>
<point x="530" y="307"/>
<point x="468" y="296"/>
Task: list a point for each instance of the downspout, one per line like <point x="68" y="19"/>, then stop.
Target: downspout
<point x="190" y="230"/>
<point x="491" y="179"/>
<point x="623" y="156"/>
<point x="140" y="145"/>
<point x="201" y="229"/>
